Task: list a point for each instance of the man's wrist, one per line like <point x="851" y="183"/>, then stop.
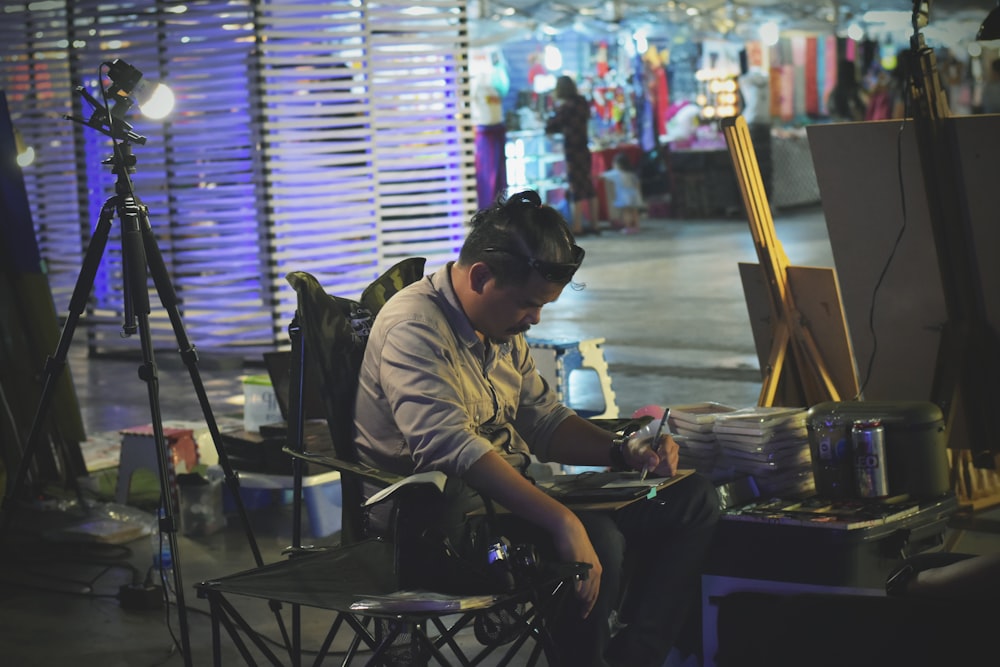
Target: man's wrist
<point x="617" y="454"/>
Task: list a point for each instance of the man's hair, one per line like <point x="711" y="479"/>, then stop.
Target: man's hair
<point x="514" y="231"/>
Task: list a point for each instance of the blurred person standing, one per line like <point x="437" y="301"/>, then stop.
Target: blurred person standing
<point x="572" y="119"/>
<point x="847" y="101"/>
<point x="887" y="98"/>
<point x="991" y="90"/>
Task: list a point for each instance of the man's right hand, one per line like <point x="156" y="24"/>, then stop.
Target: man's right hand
<point x="498" y="480"/>
<point x="573" y="545"/>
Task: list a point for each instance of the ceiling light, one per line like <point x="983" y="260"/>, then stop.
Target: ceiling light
<point x="553" y="58"/>
<point x="769" y="33"/>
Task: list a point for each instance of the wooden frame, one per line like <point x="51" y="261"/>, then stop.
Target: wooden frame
<point x="802" y="364"/>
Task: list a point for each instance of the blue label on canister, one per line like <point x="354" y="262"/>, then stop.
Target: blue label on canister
<point x="832" y="462"/>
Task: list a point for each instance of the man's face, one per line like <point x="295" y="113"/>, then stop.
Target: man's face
<point x="503" y="312"/>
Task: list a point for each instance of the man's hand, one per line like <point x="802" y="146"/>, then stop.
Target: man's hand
<point x="661" y="461"/>
<point x="506" y="486"/>
<point x="573" y="545"/>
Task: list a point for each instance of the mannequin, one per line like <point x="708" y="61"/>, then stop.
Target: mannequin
<point x="489" y="85"/>
<point x="756" y="91"/>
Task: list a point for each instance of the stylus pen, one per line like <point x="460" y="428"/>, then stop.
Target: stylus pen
<point x="656" y="441"/>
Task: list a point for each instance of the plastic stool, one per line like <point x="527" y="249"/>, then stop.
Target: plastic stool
<point x="138" y="450"/>
<point x="321" y="495"/>
<point x="557" y="360"/>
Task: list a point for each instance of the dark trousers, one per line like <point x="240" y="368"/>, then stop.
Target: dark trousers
<point x="651" y="552"/>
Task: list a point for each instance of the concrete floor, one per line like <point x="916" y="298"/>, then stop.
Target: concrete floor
<point x="668" y="301"/>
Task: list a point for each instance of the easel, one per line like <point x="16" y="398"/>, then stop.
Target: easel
<point x="967" y="373"/>
<point x="802" y="364"/>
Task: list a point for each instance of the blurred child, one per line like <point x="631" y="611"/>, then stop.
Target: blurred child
<point x="624" y="195"/>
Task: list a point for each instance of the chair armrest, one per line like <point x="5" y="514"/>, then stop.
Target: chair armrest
<point x="366" y="472"/>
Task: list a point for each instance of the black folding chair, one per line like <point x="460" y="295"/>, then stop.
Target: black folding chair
<point x="363" y="569"/>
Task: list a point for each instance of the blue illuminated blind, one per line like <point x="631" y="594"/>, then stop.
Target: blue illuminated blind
<point x="330" y="137"/>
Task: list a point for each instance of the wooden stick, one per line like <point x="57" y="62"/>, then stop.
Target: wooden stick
<point x="789" y="327"/>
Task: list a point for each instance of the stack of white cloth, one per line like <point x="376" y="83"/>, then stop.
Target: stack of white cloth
<point x="769" y="443"/>
<point x="692" y="426"/>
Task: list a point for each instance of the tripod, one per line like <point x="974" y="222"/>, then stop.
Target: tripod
<point x="139" y="250"/>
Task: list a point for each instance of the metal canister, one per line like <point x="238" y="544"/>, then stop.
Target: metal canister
<point x="868" y="444"/>
<point x="832" y="463"/>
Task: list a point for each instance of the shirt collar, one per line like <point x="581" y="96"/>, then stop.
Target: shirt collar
<point x="453" y="311"/>
<point x="452" y="308"/>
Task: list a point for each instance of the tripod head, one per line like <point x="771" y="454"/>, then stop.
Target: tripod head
<point x="110" y="122"/>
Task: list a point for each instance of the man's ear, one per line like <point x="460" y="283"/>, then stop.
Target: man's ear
<point x="479" y="275"/>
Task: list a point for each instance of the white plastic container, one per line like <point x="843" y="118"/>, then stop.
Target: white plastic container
<point x="260" y="404"/>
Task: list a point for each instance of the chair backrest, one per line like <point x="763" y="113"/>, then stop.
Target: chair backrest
<point x="334" y="331"/>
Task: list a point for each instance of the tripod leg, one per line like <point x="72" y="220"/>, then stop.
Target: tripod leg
<point x="56" y="363"/>
<point x="134" y="262"/>
<point x="168" y="297"/>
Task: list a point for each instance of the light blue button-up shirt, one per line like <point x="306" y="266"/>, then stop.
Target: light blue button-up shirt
<point x="432" y="396"/>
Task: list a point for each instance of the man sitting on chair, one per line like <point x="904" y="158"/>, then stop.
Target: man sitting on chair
<point x="448" y="383"/>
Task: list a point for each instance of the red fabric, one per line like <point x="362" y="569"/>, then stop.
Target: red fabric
<point x="812" y="91"/>
<point x="603" y="102"/>
<point x="662" y="101"/>
<point x="787" y="92"/>
<point x="535" y="70"/>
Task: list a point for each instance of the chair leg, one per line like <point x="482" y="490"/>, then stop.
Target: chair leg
<point x="223" y="612"/>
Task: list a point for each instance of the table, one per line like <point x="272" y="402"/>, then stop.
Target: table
<point x="782" y="559"/>
<point x="703" y="183"/>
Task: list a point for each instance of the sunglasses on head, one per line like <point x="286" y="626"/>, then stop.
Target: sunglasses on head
<point x="556" y="272"/>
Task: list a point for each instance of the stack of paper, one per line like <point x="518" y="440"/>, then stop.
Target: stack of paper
<point x="769" y="443"/>
<point x="693" y="428"/>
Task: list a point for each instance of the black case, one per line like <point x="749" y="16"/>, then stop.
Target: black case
<point x="915" y="440"/>
<point x="861" y="557"/>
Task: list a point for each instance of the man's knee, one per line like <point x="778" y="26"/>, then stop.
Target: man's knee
<point x="607" y="539"/>
<point x="704" y="499"/>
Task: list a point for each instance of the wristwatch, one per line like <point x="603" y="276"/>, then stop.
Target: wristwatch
<point x="617" y="454"/>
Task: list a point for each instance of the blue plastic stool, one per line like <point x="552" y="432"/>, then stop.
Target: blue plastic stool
<point x="558" y="359"/>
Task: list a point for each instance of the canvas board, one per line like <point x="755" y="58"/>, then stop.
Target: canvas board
<point x="869" y="174"/>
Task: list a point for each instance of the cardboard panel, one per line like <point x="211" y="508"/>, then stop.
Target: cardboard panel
<point x="876" y="208"/>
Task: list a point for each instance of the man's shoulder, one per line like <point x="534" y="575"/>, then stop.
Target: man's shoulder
<point x="412" y="299"/>
<point x="421" y="303"/>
